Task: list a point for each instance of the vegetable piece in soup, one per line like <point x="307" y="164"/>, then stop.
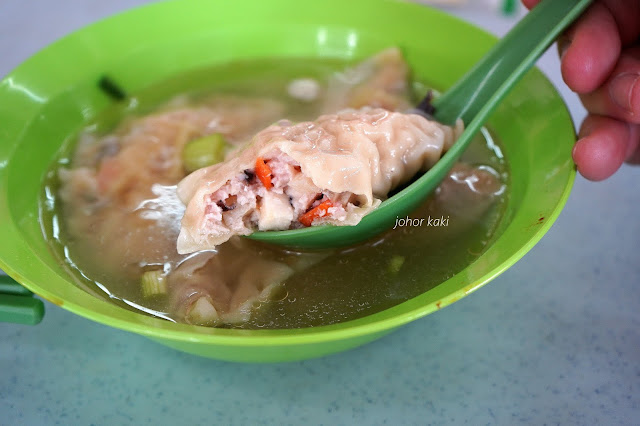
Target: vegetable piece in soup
<point x="332" y="170"/>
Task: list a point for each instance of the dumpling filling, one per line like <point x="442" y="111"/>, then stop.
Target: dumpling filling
<point x="333" y="170"/>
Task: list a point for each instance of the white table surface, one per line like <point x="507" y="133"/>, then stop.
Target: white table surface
<point x="554" y="340"/>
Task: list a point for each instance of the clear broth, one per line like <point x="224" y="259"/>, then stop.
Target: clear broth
<point x="349" y="283"/>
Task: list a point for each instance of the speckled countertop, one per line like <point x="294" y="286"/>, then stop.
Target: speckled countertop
<point x="554" y="340"/>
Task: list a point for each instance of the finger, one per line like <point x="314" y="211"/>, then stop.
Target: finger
<point x="627" y="16"/>
<point x="626" y="13"/>
<point x="604" y="144"/>
<point x="619" y="97"/>
<point x="634" y="146"/>
<point x="634" y="158"/>
<point x="593" y="49"/>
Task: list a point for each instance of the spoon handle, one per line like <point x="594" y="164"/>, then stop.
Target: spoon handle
<point x="478" y="93"/>
<point x="17" y="304"/>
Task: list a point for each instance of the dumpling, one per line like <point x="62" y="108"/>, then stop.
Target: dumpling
<point x="333" y="170"/>
<point x="380" y="81"/>
<point x="115" y="181"/>
<point x="223" y="286"/>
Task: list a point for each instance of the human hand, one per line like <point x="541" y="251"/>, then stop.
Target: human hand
<point x="600" y="61"/>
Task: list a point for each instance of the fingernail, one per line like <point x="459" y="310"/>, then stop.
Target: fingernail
<point x="621" y="90"/>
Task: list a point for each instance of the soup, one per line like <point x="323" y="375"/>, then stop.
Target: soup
<point x="112" y="216"/>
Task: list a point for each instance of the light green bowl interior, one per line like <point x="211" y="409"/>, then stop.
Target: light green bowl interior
<point x="53" y="94"/>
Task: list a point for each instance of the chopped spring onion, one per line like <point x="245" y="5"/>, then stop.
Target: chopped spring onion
<point x="395" y="263"/>
<point x="203" y="152"/>
<point x="202" y="312"/>
<point x="154" y="283"/>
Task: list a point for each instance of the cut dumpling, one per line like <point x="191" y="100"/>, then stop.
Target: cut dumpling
<point x="333" y="170"/>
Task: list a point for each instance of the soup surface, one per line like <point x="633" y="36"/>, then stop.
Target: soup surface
<point x="111" y="213"/>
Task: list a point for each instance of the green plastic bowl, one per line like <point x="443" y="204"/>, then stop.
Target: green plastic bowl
<point x="54" y="94"/>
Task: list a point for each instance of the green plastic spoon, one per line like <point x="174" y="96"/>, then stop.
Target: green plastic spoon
<point x="473" y="98"/>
